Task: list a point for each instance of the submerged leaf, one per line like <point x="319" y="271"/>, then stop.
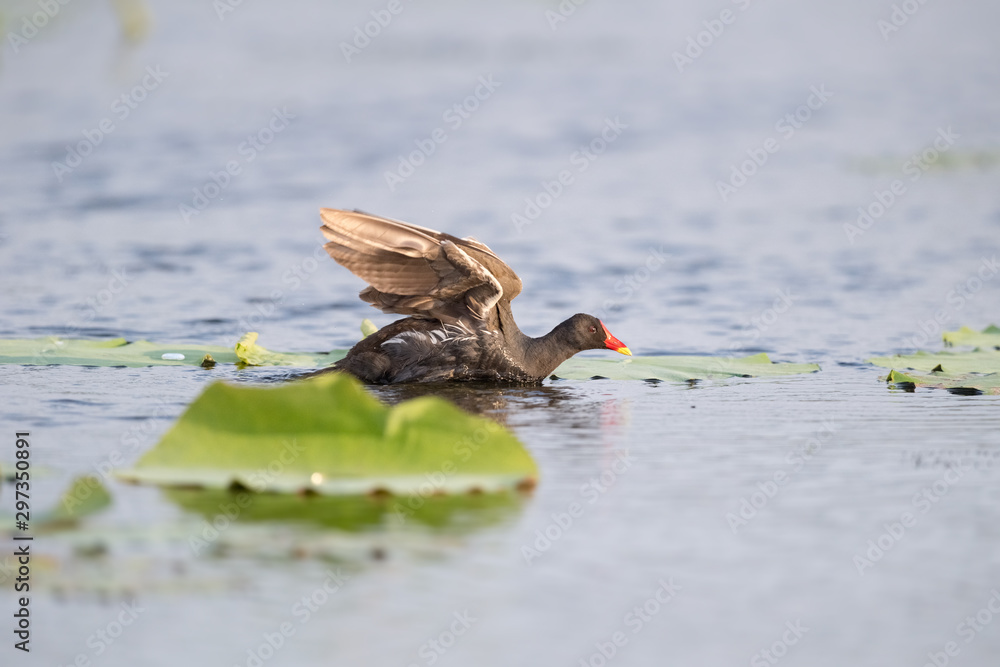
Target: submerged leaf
<point x="326" y="435"/>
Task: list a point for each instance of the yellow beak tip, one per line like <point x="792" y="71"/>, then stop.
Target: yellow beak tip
<point x="625" y="350"/>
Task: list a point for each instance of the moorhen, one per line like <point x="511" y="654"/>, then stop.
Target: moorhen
<point x="457" y="294"/>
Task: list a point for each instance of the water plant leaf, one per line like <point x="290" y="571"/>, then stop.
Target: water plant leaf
<point x="252" y="354"/>
<point x="963" y="383"/>
<point x="326" y="435"/>
<point x="988" y="338"/>
<point x="367" y="328"/>
<point x="113" y="352"/>
<point x="678" y="368"/>
<point x="119" y="352"/>
<point x="977" y="371"/>
<point x="951" y="362"/>
<point x="85" y="496"/>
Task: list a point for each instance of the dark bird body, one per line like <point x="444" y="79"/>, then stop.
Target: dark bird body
<point x="457" y="294"/>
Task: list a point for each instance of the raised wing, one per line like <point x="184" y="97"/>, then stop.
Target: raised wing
<point x="413" y="270"/>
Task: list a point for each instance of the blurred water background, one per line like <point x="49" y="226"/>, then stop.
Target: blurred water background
<point x="714" y="157"/>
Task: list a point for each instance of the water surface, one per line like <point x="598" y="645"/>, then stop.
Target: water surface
<point x="641" y="237"/>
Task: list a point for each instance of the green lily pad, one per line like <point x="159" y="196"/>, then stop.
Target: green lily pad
<point x="987" y="338"/>
<point x="951" y="363"/>
<point x="367" y="328"/>
<point x="678" y="368"/>
<point x="247" y="352"/>
<point x="86" y="496"/>
<point x="252" y="354"/>
<point x="137" y="354"/>
<point x="114" y="352"/>
<point x="968" y="383"/>
<point x="326" y="435"/>
<point x="958" y="372"/>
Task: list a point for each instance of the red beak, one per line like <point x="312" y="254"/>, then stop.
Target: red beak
<point x="613" y="343"/>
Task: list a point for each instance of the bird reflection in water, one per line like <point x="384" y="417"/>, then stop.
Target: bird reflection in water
<point x="515" y="405"/>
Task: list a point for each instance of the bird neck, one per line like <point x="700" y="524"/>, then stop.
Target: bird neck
<point x="542" y="355"/>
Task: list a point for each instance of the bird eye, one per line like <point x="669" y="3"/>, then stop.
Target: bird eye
<point x="593" y="329"/>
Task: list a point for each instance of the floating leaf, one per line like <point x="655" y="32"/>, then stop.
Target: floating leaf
<point x="967" y="383"/>
<point x="952" y="363"/>
<point x="119" y="352"/>
<point x="958" y="372"/>
<point x="85" y="496"/>
<point x="252" y="354"/>
<point x="327" y="435"/>
<point x="677" y="368"/>
<point x="987" y="338"/>
<point x="114" y="352"/>
<point x="367" y="328"/>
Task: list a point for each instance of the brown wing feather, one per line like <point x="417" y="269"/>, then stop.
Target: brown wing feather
<point x="413" y="270"/>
